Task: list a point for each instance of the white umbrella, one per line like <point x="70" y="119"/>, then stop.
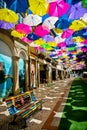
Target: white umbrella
<point x="32" y="20"/>
<point x="59" y="39"/>
<point x="50" y="21"/>
<point x="50" y="1"/>
<point x="84" y="18"/>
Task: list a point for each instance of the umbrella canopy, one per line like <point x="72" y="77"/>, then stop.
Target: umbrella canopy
<point x="17" y="5"/>
<point x="79" y="33"/>
<point x="32" y="20"/>
<point x="58" y="8"/>
<point x="84" y="18"/>
<point x="8" y="15"/>
<point x="6" y="25"/>
<point x="38" y="7"/>
<point x="32" y="36"/>
<point x="77" y="25"/>
<point x="76" y="11"/>
<point x="48" y="38"/>
<point x="50" y="21"/>
<point x="41" y="30"/>
<point x="14" y="33"/>
<point x="23" y="28"/>
<point x="25" y="39"/>
<point x="67" y="33"/>
<point x="62" y="23"/>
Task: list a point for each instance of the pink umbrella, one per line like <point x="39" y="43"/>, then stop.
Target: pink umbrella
<point x="67" y="33"/>
<point x="58" y="8"/>
<point x="41" y="30"/>
<point x="62" y="44"/>
<point x="25" y="39"/>
<point x="23" y="28"/>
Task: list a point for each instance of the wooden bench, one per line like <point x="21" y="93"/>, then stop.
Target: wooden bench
<point x="23" y="105"/>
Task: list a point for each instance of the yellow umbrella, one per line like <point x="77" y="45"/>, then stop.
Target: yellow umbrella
<point x="39" y="41"/>
<point x="78" y="39"/>
<point x="77" y="25"/>
<point x="39" y="7"/>
<point x="52" y="44"/>
<point x="14" y="33"/>
<point x="58" y="30"/>
<point x="8" y="15"/>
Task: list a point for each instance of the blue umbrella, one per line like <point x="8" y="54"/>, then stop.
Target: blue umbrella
<point x="62" y="24"/>
<point x="79" y="33"/>
<point x="18" y="6"/>
<point x="73" y="1"/>
<point x="32" y="36"/>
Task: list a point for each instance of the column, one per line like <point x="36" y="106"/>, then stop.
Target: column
<point x="26" y="76"/>
<point x="16" y="88"/>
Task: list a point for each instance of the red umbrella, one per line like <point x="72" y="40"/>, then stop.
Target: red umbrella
<point x="41" y="30"/>
<point x="58" y="8"/>
<point x="23" y="28"/>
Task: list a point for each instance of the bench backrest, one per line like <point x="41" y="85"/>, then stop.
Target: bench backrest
<point x="15" y="103"/>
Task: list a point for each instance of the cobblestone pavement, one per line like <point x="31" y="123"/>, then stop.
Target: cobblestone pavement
<point x="52" y="94"/>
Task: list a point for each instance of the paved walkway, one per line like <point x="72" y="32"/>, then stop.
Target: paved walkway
<point x="50" y="115"/>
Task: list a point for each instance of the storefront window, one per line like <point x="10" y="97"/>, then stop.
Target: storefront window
<point x="6" y="76"/>
<point x="21" y="75"/>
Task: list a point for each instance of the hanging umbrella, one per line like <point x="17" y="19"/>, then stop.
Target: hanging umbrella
<point x="62" y="23"/>
<point x="39" y="41"/>
<point x="41" y="30"/>
<point x="32" y="20"/>
<point x="25" y="39"/>
<point x="61" y="44"/>
<point x="79" y="33"/>
<point x="77" y="25"/>
<point x="23" y="28"/>
<point x="32" y="36"/>
<point x="78" y="39"/>
<point x="38" y="7"/>
<point x="14" y="33"/>
<point x="8" y="15"/>
<point x="50" y="21"/>
<point x="67" y="33"/>
<point x="59" y="39"/>
<point x="40" y="49"/>
<point x="6" y="25"/>
<point x="84" y="18"/>
<point x="17" y="5"/>
<point x="52" y="44"/>
<point x="58" y="8"/>
<point x="50" y="1"/>
<point x="32" y="44"/>
<point x="48" y="38"/>
<point x="84" y="3"/>
<point x="76" y="11"/>
<point x="46" y="46"/>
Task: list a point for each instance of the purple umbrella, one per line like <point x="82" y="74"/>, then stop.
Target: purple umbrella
<point x="48" y="38"/>
<point x="6" y="25"/>
<point x="76" y="11"/>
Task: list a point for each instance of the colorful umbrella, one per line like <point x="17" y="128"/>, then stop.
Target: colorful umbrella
<point x="67" y="33"/>
<point x="48" y="38"/>
<point x="6" y="25"/>
<point x="79" y="33"/>
<point x="8" y="15"/>
<point x="32" y="20"/>
<point x="25" y="39"/>
<point x="77" y="25"/>
<point x="50" y="1"/>
<point x="84" y="3"/>
<point x="58" y="8"/>
<point x="50" y="21"/>
<point x="17" y="5"/>
<point x="76" y="11"/>
<point x="62" y="23"/>
<point x="32" y="36"/>
<point x="84" y="18"/>
<point x="23" y="28"/>
<point x="78" y="39"/>
<point x="38" y="7"/>
<point x="41" y="30"/>
<point x="14" y="33"/>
